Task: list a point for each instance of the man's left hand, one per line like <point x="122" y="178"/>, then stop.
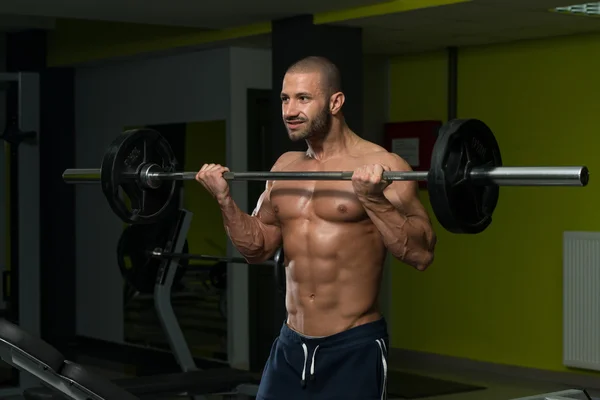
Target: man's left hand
<point x="368" y="181"/>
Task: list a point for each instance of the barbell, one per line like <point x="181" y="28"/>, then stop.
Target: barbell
<point x="218" y="271"/>
<point x="140" y="254"/>
<point x="139" y="176"/>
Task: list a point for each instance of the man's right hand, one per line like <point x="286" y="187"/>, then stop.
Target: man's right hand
<point x="211" y="177"/>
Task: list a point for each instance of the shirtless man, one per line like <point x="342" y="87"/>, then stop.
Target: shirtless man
<point x="335" y="236"/>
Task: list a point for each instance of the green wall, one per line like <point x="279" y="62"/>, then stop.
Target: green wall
<point x="205" y="142"/>
<point x="497" y="296"/>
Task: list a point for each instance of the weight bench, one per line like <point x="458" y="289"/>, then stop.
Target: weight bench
<point x="64" y="379"/>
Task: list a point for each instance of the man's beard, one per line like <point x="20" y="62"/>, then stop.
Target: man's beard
<point x="317" y="127"/>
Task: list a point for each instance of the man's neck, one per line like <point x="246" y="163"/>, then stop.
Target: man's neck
<point x="337" y="141"/>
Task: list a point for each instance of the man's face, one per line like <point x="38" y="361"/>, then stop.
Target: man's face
<point x="304" y="106"/>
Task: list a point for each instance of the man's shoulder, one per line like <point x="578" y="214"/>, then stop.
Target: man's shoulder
<point x="286" y="159"/>
<point x="374" y="153"/>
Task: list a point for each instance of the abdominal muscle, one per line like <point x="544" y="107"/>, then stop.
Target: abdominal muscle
<point x="333" y="273"/>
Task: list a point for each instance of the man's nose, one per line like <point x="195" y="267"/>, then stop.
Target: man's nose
<point x="290" y="110"/>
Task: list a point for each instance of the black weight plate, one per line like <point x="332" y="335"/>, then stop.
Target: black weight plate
<point x="459" y="205"/>
<point x="119" y="175"/>
<point x="137" y="267"/>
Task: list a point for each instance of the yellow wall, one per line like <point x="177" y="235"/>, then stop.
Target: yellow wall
<point x="204" y="143"/>
<point x="497" y="296"/>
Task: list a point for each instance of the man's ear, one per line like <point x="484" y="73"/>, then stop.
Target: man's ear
<point x="336" y="101"/>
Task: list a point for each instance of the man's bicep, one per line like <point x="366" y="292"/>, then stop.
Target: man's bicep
<point x="264" y="209"/>
<point x="404" y="195"/>
<point x="269" y="223"/>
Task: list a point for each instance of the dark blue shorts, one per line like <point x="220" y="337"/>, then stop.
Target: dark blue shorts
<point x="348" y="365"/>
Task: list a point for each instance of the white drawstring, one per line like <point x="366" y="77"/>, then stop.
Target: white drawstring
<point x="383" y="349"/>
<point x="312" y="365"/>
<point x="305" y="360"/>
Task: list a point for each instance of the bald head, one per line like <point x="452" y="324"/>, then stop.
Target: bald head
<point x="331" y="80"/>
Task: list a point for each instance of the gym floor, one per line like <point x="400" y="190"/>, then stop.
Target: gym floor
<point x="498" y="387"/>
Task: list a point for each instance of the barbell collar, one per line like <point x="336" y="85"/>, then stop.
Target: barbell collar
<point x="81" y="175"/>
<point x="502" y="176"/>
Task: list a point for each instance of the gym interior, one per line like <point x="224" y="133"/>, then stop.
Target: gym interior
<point x="508" y="313"/>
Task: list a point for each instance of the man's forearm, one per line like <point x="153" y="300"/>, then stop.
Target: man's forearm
<point x="408" y="238"/>
<point x="244" y="231"/>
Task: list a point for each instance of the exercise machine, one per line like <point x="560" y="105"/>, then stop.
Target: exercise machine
<point x="192" y="381"/>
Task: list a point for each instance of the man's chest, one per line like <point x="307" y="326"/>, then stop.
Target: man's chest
<point x="333" y="201"/>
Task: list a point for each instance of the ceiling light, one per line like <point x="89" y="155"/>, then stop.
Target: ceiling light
<point x="586" y="9"/>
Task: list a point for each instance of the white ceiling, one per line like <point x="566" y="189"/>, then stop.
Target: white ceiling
<point x="472" y="23"/>
<point x="462" y="24"/>
<point x="213" y="14"/>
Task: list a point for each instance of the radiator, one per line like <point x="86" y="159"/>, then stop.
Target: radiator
<point x="581" y="300"/>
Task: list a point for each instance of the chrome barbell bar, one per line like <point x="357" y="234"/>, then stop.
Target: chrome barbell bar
<point x="501" y="176"/>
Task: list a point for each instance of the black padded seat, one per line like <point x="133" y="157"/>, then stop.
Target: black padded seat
<point x="35" y="347"/>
